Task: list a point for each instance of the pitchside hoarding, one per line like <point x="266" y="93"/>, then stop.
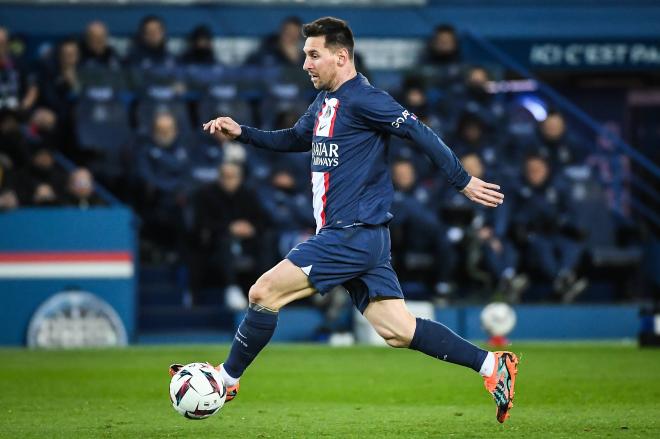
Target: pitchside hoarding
<point x="48" y="251"/>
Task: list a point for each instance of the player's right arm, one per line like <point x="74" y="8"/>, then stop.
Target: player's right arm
<point x="296" y="139"/>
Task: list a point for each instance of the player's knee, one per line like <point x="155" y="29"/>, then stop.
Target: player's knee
<point x="395" y="338"/>
<point x="261" y="292"/>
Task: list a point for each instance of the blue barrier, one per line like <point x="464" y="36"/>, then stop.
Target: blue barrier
<point x="534" y="322"/>
<point x="45" y="251"/>
<point x="556" y="322"/>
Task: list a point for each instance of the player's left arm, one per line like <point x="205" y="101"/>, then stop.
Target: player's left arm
<point x="382" y="112"/>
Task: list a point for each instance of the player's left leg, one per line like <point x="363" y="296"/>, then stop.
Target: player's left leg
<point x="279" y="286"/>
<point x="400" y="329"/>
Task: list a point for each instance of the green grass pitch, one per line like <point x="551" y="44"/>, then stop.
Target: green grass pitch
<point x="563" y="390"/>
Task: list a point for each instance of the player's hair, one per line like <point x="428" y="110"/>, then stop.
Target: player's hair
<point x="445" y="28"/>
<point x="336" y="31"/>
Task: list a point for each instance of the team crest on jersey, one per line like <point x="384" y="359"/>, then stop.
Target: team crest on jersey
<point x="325" y="122"/>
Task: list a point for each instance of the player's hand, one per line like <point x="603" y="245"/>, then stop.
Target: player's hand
<point x="483" y="192"/>
<point x="223" y="126"/>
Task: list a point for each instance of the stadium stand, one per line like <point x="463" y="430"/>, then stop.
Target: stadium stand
<point x="132" y="123"/>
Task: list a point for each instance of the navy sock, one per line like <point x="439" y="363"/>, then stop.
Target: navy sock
<point x="252" y="336"/>
<point x="436" y="340"/>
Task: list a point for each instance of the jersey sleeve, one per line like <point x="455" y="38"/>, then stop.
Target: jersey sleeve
<point x="296" y="139"/>
<point x="381" y="112"/>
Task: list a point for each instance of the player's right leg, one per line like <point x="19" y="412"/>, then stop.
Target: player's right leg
<point x="279" y="286"/>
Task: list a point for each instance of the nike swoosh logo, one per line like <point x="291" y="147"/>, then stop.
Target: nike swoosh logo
<point x="323" y="127"/>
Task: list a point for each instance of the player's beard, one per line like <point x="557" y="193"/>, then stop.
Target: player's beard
<point x="319" y="85"/>
<point x="322" y="84"/>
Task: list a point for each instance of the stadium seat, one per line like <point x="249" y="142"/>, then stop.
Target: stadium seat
<point x="101" y="120"/>
<point x="595" y="217"/>
<point x="200" y="77"/>
<point x="282" y="94"/>
<point x="95" y="76"/>
<point x="225" y="99"/>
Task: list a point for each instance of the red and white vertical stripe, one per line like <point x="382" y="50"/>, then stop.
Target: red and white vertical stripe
<point x="66" y="264"/>
<point x="320" y="185"/>
<point x="325" y="122"/>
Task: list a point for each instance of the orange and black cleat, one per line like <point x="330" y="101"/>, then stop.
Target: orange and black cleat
<point x="174" y="368"/>
<point x="232" y="391"/>
<point x="502" y="381"/>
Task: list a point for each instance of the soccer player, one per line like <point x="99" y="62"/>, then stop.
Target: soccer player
<point x="347" y="127"/>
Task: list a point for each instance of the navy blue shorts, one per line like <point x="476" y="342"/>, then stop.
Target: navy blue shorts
<point x="357" y="258"/>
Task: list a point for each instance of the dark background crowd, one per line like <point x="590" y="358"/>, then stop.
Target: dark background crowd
<point x="80" y="113"/>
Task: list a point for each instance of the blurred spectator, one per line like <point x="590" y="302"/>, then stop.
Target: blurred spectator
<point x="263" y="162"/>
<point x="163" y="170"/>
<point x="282" y="49"/>
<point x="289" y="209"/>
<point x="227" y="237"/>
<point x="613" y="169"/>
<point x="80" y="190"/>
<point x="60" y="87"/>
<point x="18" y="46"/>
<point x="443" y="54"/>
<point x="490" y="228"/>
<point x="416" y="229"/>
<point x="557" y="144"/>
<point x="8" y="197"/>
<point x="544" y="222"/>
<point x="476" y="99"/>
<point x="95" y="49"/>
<point x="150" y="45"/>
<point x="200" y="47"/>
<point x="42" y="129"/>
<point x="210" y="151"/>
<point x="18" y="88"/>
<point x="163" y="162"/>
<point x="443" y="47"/>
<point x="472" y="138"/>
<point x="13" y="145"/>
<point x="60" y="83"/>
<point x="205" y="157"/>
<point x="415" y="100"/>
<point x="42" y="182"/>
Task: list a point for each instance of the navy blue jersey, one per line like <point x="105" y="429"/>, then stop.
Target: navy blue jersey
<point x="348" y="131"/>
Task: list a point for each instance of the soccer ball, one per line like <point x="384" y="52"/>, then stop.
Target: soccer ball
<point x="197" y="391"/>
<point x="498" y="319"/>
